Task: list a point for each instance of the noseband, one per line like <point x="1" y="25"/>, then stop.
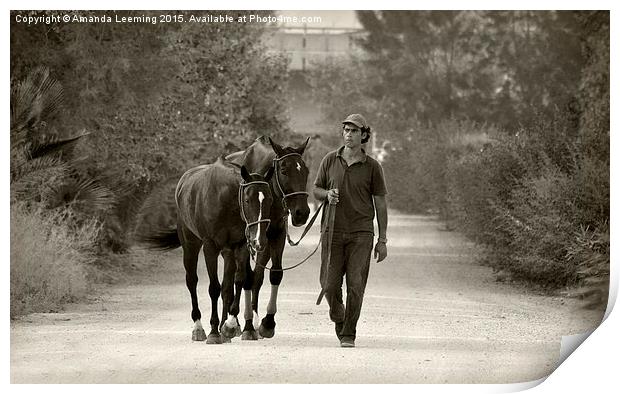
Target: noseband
<point x="244" y="217"/>
<point x="276" y="163"/>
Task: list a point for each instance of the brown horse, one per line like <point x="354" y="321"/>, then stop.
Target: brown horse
<point x="219" y="213"/>
<point x="288" y="187"/>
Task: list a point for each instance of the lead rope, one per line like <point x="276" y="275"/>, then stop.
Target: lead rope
<point x="321" y="207"/>
<point x="308" y="226"/>
<point x="286" y="215"/>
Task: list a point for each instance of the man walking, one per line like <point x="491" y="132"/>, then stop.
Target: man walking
<point x="353" y="184"/>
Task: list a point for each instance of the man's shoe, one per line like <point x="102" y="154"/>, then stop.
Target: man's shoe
<point x="347" y="342"/>
<point x="339" y="330"/>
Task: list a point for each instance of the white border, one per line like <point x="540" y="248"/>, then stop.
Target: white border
<point x="593" y="367"/>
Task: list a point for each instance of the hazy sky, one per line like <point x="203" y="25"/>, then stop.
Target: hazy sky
<point x="341" y="19"/>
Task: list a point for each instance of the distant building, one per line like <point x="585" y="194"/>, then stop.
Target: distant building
<point x="303" y="45"/>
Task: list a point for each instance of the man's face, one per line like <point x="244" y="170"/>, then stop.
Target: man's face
<point x="352" y="135"/>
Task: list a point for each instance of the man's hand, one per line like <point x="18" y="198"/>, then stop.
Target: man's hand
<point x="380" y="251"/>
<point x="332" y="196"/>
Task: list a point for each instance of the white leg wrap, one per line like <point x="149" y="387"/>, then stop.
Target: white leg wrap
<point x="272" y="307"/>
<point x="231" y="322"/>
<point x="256" y="321"/>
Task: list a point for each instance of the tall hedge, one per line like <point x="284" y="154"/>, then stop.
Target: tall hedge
<point x="155" y="98"/>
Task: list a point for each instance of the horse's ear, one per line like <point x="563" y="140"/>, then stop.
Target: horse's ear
<point x="302" y="148"/>
<point x="269" y="174"/>
<point x="245" y="174"/>
<point x="276" y="148"/>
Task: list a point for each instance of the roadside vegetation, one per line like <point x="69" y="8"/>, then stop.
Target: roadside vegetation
<point x="49" y="260"/>
<point x="498" y="122"/>
<point x="100" y="116"/>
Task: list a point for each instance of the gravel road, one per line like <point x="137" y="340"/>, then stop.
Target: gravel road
<point x="430" y="315"/>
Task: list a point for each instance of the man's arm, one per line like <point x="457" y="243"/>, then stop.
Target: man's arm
<point x="382" y="218"/>
<point x="382" y="221"/>
<point x="321" y="179"/>
<point x="319" y="193"/>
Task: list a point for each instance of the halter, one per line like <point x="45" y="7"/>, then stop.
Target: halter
<point x="244" y="217"/>
<point x="276" y="161"/>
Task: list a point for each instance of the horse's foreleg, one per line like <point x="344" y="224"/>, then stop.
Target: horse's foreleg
<point x="211" y="252"/>
<point x="249" y="333"/>
<point x="191" y="247"/>
<point x="230" y="324"/>
<point x="251" y="287"/>
<point x="259" y="276"/>
<point x="268" y="324"/>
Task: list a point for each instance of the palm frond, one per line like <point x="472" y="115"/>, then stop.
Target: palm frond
<point x="21" y="170"/>
<point x="33" y="100"/>
<point x="51" y="144"/>
<point x="86" y="195"/>
<point x="31" y="181"/>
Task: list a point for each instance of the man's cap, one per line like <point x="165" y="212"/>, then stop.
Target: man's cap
<point x="357" y="120"/>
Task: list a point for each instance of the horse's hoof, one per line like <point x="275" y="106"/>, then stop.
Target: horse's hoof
<point x="249" y="335"/>
<point x="225" y="339"/>
<point x="238" y="331"/>
<point x="199" y="335"/>
<point x="229" y="332"/>
<point x="266" y="332"/>
<point x="214" y="339"/>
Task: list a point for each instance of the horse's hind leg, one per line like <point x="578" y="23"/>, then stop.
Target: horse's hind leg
<point x="243" y="281"/>
<point x="211" y="251"/>
<point x="191" y="247"/>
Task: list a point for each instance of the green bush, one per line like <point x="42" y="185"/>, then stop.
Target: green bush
<point x="540" y="226"/>
<point x="589" y="251"/>
<point x="525" y="197"/>
<point x="48" y="260"/>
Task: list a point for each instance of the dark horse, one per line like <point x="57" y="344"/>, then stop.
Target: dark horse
<point x="288" y="187"/>
<point x="217" y="212"/>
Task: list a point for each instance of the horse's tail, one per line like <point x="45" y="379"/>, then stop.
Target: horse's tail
<point x="160" y="239"/>
<point x="156" y="221"/>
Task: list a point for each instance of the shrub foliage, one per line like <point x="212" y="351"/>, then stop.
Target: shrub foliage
<point x="499" y="122"/>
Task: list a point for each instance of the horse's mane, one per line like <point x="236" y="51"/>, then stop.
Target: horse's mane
<point x="258" y="156"/>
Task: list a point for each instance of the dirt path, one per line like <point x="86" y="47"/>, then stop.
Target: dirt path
<point x="430" y="315"/>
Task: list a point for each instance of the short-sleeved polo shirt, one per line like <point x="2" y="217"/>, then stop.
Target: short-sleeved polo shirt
<point x="356" y="185"/>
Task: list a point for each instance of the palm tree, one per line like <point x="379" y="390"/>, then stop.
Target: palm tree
<point x="42" y="160"/>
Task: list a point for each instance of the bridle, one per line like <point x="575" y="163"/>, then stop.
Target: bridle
<point x="276" y="162"/>
<point x="248" y="224"/>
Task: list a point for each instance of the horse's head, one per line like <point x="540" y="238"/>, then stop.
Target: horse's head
<point x="255" y="205"/>
<point x="291" y="176"/>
